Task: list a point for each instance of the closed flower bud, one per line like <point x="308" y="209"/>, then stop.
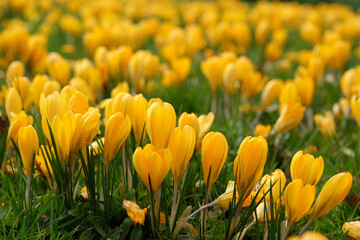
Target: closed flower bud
<point x="231" y="79"/>
<point x="332" y="194"/>
<point x="214" y="151"/>
<point x="353" y="229"/>
<point x="58" y="68"/>
<point x="355" y="109"/>
<point x="28" y="146"/>
<point x="307" y="168"/>
<point x="78" y="103"/>
<point x="276" y="182"/>
<point x="249" y="164"/>
<point x="152" y="164"/>
<point x="262" y="32"/>
<point x="273" y="51"/>
<point x="190" y="120"/>
<point x="305" y="87"/>
<point x="16" y="122"/>
<point x="298" y="199"/>
<point x="262" y="130"/>
<point x="15" y="69"/>
<point x="53" y="104"/>
<point x="326" y="124"/>
<point x="205" y="122"/>
<point x="290" y="116"/>
<point x="252" y="83"/>
<point x="270" y="92"/>
<point x="139" y="119"/>
<point x="13" y="103"/>
<point x="181" y="146"/>
<point x="161" y="121"/>
<point x="116" y="132"/>
<point x="288" y="95"/>
<point x="123" y="102"/>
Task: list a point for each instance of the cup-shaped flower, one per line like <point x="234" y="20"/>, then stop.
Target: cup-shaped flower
<point x="214" y="151"/>
<point x="326" y="124"/>
<point x="332" y="194"/>
<point x="270" y="92"/>
<point x="353" y="229"/>
<point x="161" y="121"/>
<point x="13" y="102"/>
<point x="298" y="199"/>
<point x="139" y="120"/>
<point x="290" y="116"/>
<point x="276" y="182"/>
<point x="190" y="120"/>
<point x="28" y="146"/>
<point x="117" y="131"/>
<point x="306" y="167"/>
<point x="152" y="164"/>
<point x="16" y="122"/>
<point x="249" y="164"/>
<point x="181" y="146"/>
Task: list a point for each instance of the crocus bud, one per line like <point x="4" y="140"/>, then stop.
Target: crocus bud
<point x="28" y="146"/>
<point x="116" y="132"/>
<point x="332" y="194"/>
<point x="53" y="104"/>
<point x="326" y="124"/>
<point x="139" y="119"/>
<point x="290" y="116"/>
<point x="214" y="151"/>
<point x="307" y="168"/>
<point x="161" y="121"/>
<point x="181" y="146"/>
<point x="15" y="69"/>
<point x="355" y="109"/>
<point x="152" y="164"/>
<point x="270" y="92"/>
<point x="249" y="164"/>
<point x="13" y="103"/>
<point x="276" y="182"/>
<point x="190" y="120"/>
<point x="17" y="122"/>
<point x="298" y="199"/>
<point x="59" y="68"/>
<point x="78" y="103"/>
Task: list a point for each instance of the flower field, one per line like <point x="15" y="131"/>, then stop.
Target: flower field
<point x="179" y="120"/>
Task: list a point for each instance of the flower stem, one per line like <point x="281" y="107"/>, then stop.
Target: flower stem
<point x="174" y="204"/>
<point x="287" y="231"/>
<point x="307" y="225"/>
<point x="27" y="193"/>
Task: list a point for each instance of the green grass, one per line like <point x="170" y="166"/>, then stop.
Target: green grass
<point x="50" y="217"/>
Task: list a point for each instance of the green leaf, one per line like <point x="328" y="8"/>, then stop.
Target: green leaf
<point x="136" y="233"/>
<point x="87" y="235"/>
<point x="125" y="227"/>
